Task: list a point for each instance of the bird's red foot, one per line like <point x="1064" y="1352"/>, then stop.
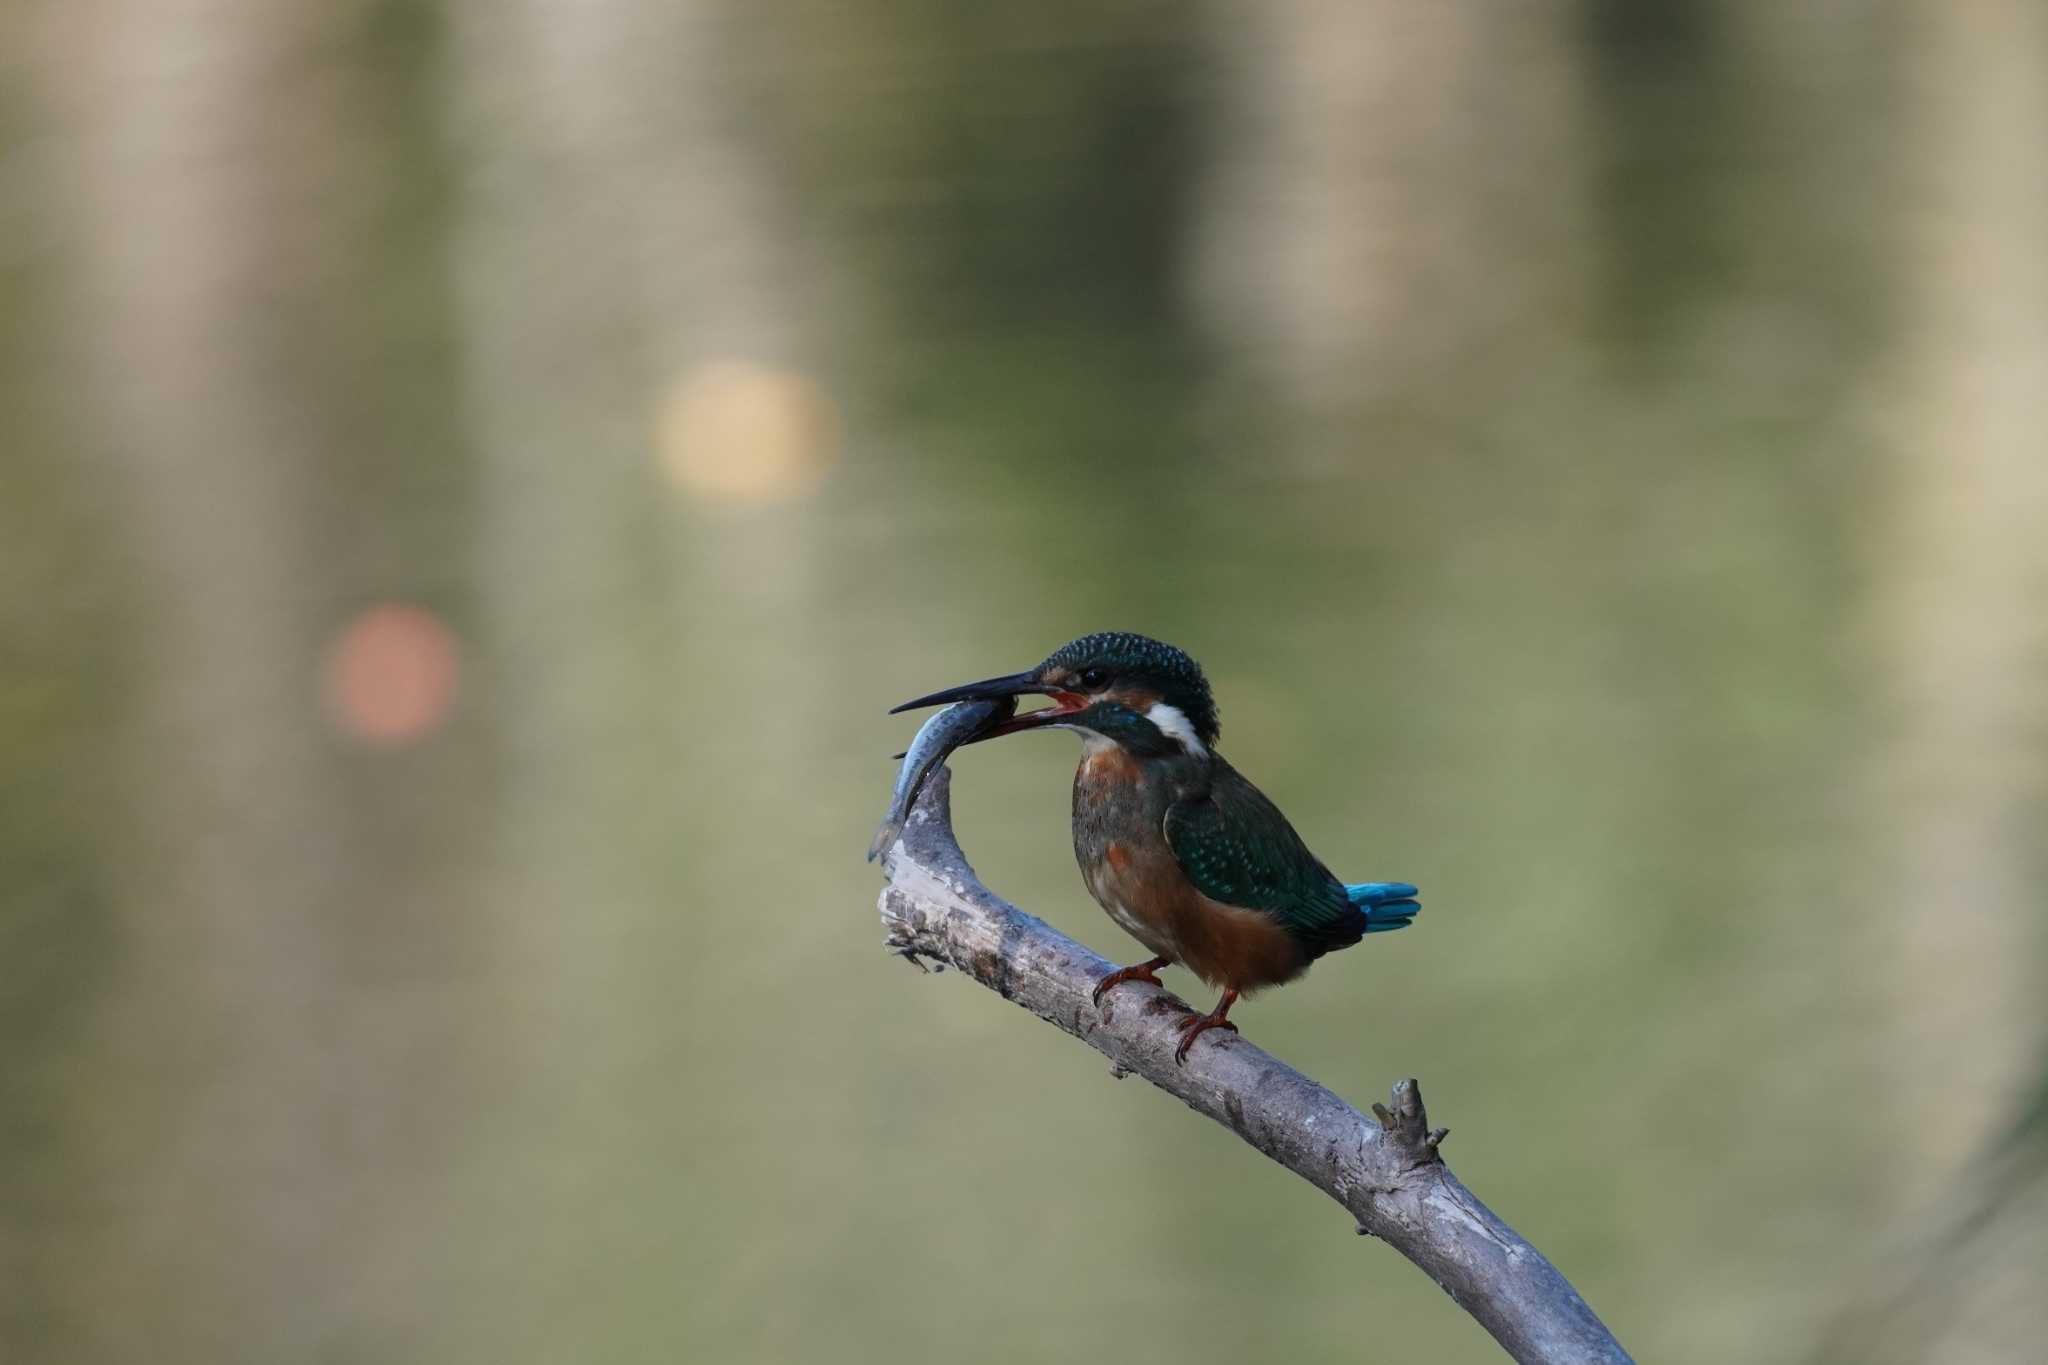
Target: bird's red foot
<point x="1144" y="971"/>
<point x="1202" y="1023"/>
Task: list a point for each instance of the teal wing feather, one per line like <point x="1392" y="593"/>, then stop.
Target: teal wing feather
<point x="1237" y="848"/>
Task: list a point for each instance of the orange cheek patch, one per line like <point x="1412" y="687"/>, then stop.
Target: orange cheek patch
<point x="1119" y="857"/>
<point x="1133" y="699"/>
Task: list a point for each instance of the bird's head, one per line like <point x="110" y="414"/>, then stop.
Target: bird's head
<point x="1135" y="691"/>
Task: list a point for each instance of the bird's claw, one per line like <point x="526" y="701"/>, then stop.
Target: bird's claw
<point x="1194" y="1029"/>
<point x="1144" y="971"/>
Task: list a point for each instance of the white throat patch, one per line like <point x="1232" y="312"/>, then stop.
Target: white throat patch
<point x="1173" y="723"/>
<point x="1091" y="742"/>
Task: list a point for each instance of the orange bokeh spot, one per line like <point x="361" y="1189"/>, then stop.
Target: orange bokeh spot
<point x="392" y="675"/>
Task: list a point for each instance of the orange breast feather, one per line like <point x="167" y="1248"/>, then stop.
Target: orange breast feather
<point x="1228" y="947"/>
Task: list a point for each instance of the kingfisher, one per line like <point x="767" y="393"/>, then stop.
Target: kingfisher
<point x="1183" y="852"/>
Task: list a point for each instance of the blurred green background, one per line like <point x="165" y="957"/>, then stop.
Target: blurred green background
<point x="476" y="473"/>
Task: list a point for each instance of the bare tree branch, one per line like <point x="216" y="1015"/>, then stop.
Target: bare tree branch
<point x="1385" y="1172"/>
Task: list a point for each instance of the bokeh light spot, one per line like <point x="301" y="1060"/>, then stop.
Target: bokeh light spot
<point x="392" y="675"/>
<point x="733" y="432"/>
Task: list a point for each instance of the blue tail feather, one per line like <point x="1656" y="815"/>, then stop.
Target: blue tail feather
<point x="1385" y="905"/>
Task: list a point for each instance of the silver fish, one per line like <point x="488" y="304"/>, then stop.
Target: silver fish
<point x="944" y="732"/>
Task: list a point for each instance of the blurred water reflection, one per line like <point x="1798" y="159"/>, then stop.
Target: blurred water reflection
<point x="1595" y="452"/>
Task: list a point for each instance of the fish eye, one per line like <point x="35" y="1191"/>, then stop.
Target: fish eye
<point x="1092" y="678"/>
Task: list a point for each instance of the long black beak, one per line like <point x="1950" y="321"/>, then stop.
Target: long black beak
<point x="988" y="689"/>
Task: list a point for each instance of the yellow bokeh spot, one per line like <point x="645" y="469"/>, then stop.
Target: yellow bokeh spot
<point x="739" y="433"/>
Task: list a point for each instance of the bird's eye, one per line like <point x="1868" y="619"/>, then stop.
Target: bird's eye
<point x="1092" y="678"/>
